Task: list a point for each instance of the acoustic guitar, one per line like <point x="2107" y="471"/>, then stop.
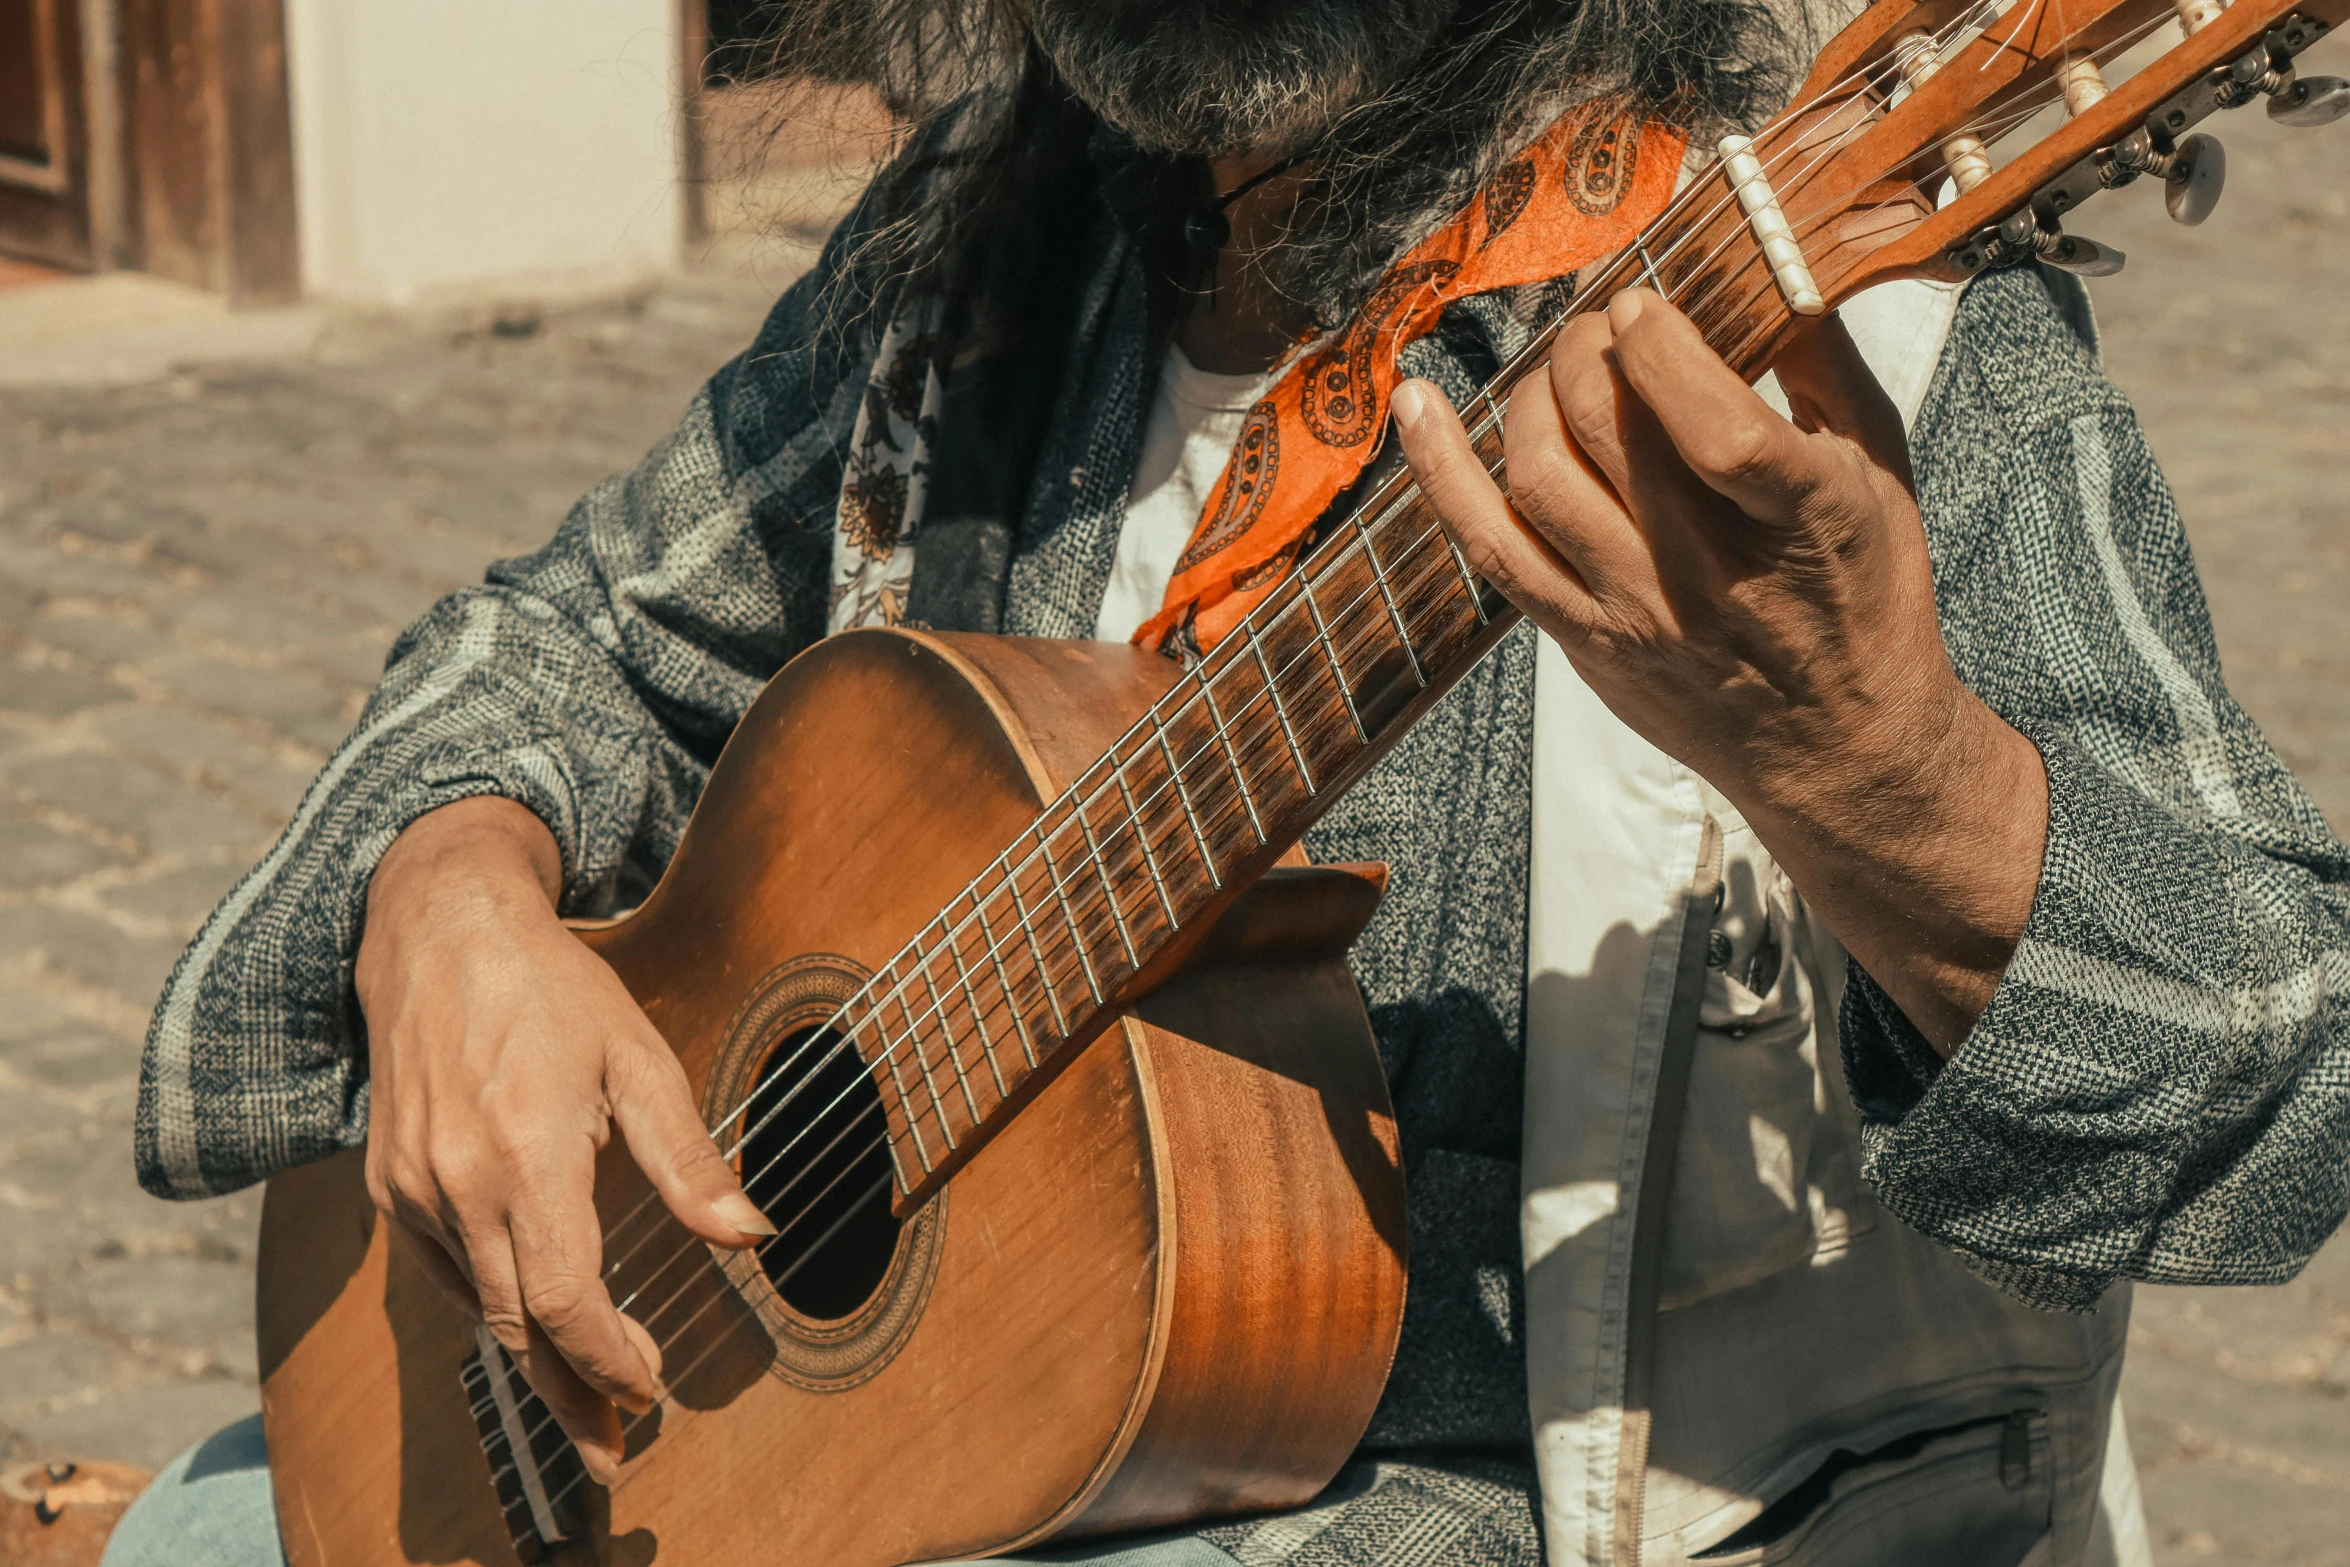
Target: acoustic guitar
<point x="1056" y="1084"/>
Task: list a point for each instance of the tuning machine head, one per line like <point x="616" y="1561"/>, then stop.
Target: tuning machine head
<point x="2192" y="183"/>
<point x="2022" y="235"/>
<point x="2082" y="257"/>
<point x="2311" y="100"/>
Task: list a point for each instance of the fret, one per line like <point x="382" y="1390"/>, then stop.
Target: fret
<point x="1207" y="688"/>
<point x="1052" y="996"/>
<point x="1003" y="979"/>
<point x="1281" y="711"/>
<point x="1183" y="793"/>
<point x="889" y="1057"/>
<point x="1469" y="582"/>
<point x="1492" y="408"/>
<point x="946" y="1031"/>
<point x="1069" y="916"/>
<point x="913" y="1039"/>
<point x="978" y="1015"/>
<point x="1648" y="267"/>
<point x="1394" y="613"/>
<point x="1305" y="588"/>
<point x="1101" y="868"/>
<point x="1468" y="578"/>
<point x="1149" y="858"/>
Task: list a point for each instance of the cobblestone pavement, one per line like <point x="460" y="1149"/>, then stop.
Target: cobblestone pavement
<point x="198" y="578"/>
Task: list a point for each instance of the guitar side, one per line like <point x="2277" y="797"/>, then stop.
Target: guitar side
<point x="1168" y="1289"/>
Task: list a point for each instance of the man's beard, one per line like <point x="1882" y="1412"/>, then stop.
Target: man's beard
<point x="1216" y="77"/>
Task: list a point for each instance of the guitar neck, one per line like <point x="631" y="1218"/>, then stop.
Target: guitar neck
<point x="1100" y="899"/>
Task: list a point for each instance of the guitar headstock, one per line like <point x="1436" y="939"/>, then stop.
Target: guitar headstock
<point x="1882" y="168"/>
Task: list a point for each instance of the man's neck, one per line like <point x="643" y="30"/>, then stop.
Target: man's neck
<point x="1243" y="324"/>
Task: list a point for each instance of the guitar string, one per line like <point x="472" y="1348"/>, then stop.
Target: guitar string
<point x="975" y="1007"/>
<point x="2002" y="116"/>
<point x="991" y="950"/>
<point x="1430" y="572"/>
<point x="1141" y="836"/>
<point x="1174" y="835"/>
<point x="1853" y="82"/>
<point x="1409" y="591"/>
<point x="1077" y="815"/>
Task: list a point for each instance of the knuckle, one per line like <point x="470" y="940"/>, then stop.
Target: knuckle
<point x="1743" y="449"/>
<point x="408" y="1196"/>
<point x="1495" y="566"/>
<point x="640" y="1070"/>
<point x="696" y="1158"/>
<point x="462" y="1171"/>
<point x="508" y="1326"/>
<point x="1538" y="476"/>
<point x="559" y="1303"/>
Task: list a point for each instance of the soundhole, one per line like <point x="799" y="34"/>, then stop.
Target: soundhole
<point x="816" y="1163"/>
<point x="842" y="1286"/>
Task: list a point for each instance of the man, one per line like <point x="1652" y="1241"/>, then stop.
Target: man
<point x="1681" y="1286"/>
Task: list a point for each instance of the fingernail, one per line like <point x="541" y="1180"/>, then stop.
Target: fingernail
<point x="639" y="1403"/>
<point x="1407" y="402"/>
<point x="601" y="1463"/>
<point x="743" y="1214"/>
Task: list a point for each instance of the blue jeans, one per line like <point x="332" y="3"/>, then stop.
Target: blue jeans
<point x="211" y="1508"/>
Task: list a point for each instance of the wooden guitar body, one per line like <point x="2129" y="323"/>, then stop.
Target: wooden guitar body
<point x="1168" y="1288"/>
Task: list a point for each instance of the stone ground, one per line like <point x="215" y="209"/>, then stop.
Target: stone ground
<point x="199" y="575"/>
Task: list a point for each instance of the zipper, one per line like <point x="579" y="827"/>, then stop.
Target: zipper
<point x="1658" y="1157"/>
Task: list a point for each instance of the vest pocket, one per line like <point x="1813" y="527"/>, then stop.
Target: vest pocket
<point x="1765" y="1176"/>
<point x="1980" y="1494"/>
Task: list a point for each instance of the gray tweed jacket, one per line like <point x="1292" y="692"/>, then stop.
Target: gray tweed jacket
<point x="2159" y="1090"/>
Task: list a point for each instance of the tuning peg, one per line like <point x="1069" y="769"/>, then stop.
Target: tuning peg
<point x="2081" y="257"/>
<point x="2313" y="100"/>
<point x="2191" y="186"/>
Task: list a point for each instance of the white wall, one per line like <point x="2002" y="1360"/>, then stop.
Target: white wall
<point x="454" y="147"/>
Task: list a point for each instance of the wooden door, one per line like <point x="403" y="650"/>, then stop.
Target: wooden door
<point x="209" y="139"/>
<point x="44" y="135"/>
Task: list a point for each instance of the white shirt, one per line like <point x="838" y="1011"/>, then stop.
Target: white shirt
<point x="1194" y="419"/>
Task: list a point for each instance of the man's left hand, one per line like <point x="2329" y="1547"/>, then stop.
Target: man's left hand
<point x="1755" y="598"/>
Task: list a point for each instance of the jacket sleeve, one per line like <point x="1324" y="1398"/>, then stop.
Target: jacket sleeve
<point x="2160" y="1087"/>
<point x="593" y="681"/>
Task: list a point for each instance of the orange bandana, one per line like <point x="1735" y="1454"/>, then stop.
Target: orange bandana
<point x="1582" y="192"/>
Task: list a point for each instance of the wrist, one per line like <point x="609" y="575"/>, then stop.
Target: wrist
<point x="475" y="864"/>
<point x="1922" y="845"/>
<point x="1919" y="784"/>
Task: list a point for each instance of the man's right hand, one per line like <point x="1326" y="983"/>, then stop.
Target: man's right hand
<point x="502" y="1052"/>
